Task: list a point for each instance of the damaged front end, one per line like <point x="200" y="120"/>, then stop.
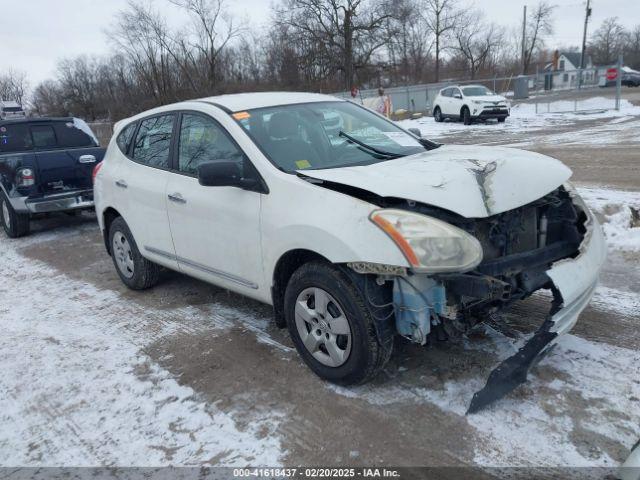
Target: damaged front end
<point x="553" y="243"/>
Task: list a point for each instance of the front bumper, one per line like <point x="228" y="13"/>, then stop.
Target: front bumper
<point x="574" y="280"/>
<point x="59" y="202"/>
<point x="490" y="112"/>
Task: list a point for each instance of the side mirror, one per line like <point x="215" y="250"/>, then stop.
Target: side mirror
<point x="219" y="174"/>
<point x="416" y="132"/>
<point x="458" y="96"/>
<point x="226" y="173"/>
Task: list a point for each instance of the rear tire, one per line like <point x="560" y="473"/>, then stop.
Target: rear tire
<point x="437" y="115"/>
<point x="466" y="116"/>
<point x="335" y="336"/>
<point x="15" y="224"/>
<point x="135" y="271"/>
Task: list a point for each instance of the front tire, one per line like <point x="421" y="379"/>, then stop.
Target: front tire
<point x="14" y="224"/>
<point x="466" y="116"/>
<point x="501" y="120"/>
<point x="135" y="271"/>
<point x="332" y="326"/>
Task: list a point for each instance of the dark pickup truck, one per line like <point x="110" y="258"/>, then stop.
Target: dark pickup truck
<point x="46" y="165"/>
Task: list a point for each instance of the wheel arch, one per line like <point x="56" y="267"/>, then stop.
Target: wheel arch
<point x="288" y="263"/>
<point x="462" y="110"/>
<point x="108" y="216"/>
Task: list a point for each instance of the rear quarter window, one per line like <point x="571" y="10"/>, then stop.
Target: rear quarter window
<point x="125" y="136"/>
<point x="70" y="135"/>
<point x="15" y="138"/>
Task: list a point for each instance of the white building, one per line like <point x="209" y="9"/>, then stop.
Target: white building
<point x="565" y="67"/>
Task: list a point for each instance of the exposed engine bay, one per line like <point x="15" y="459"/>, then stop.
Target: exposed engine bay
<point x="519" y="247"/>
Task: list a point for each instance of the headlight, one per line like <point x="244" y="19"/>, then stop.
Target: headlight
<point x="477" y="102"/>
<point x="430" y="245"/>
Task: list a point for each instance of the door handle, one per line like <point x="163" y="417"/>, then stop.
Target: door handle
<point x="121" y="184"/>
<point x="177" y="198"/>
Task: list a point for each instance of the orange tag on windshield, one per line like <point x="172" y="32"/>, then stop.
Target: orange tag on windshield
<point x="241" y="115"/>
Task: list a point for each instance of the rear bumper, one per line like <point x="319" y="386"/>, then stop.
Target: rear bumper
<point x="59" y="202"/>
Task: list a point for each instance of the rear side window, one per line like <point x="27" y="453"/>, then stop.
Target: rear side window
<point x="15" y="138"/>
<point x="71" y="135"/>
<point x="153" y="141"/>
<point x="43" y="136"/>
<point x="125" y="136"/>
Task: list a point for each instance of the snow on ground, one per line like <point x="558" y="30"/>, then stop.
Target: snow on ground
<point x="543" y="428"/>
<point x="617" y="207"/>
<point x="525" y="120"/>
<point x="77" y="389"/>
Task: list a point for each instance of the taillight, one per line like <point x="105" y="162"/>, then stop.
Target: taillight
<point x="26" y="177"/>
<point x="96" y="169"/>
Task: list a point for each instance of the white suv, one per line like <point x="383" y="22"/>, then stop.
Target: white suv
<point x="473" y="102"/>
<point x="353" y="234"/>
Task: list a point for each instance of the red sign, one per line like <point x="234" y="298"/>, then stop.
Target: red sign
<point x="612" y="73"/>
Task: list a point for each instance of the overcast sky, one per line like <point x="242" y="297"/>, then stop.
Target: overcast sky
<point x="35" y="34"/>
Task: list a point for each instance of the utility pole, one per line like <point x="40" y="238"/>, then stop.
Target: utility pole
<point x="524" y="41"/>
<point x="584" y="41"/>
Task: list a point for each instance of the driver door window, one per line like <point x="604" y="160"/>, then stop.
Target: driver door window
<point x="203" y="140"/>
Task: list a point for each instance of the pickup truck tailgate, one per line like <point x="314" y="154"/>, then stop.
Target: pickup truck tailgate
<point x="61" y="170"/>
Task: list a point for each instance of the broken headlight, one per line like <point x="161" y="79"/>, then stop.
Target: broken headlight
<point x="429" y="245"/>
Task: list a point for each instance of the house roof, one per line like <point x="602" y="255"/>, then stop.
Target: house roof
<point x="574" y="58"/>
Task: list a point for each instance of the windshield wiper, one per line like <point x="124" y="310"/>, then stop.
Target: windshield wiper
<point x="369" y="147"/>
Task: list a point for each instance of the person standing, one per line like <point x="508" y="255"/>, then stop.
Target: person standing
<point x="383" y="105"/>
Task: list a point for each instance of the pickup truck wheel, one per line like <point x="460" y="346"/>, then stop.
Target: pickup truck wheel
<point x="135" y="271"/>
<point x="501" y="120"/>
<point x="466" y="116"/>
<point x="331" y="326"/>
<point x="15" y="224"/>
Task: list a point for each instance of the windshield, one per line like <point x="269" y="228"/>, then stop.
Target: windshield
<point x="479" y="91"/>
<point x="325" y="135"/>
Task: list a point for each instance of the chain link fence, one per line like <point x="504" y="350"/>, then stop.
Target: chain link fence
<point x="552" y="92"/>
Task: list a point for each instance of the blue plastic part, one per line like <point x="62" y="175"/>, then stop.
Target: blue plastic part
<point x="418" y="300"/>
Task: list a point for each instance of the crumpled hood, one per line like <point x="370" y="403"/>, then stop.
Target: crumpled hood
<point x="471" y="181"/>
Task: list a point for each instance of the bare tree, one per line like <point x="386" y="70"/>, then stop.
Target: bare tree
<point x="539" y="24"/>
<point x="632" y="50"/>
<point x="442" y="17"/>
<point x="608" y="41"/>
<point x="477" y="41"/>
<point x="349" y="32"/>
<point x="212" y="30"/>
<point x="409" y="41"/>
<point x="13" y="86"/>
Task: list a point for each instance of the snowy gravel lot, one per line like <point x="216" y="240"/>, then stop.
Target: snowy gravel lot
<point x="187" y="374"/>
